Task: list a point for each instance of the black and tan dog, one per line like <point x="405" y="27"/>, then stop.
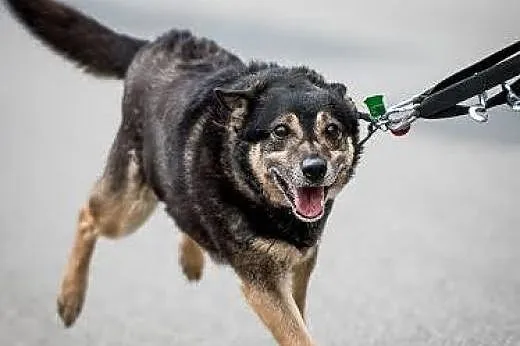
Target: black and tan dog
<point x="247" y="158"/>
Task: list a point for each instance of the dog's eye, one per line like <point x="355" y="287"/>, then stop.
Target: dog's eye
<point x="332" y="131"/>
<point x="281" y="131"/>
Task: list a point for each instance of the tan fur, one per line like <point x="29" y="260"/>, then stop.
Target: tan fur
<point x="342" y="156"/>
<point x="350" y="151"/>
<point x="109" y="213"/>
<point x="292" y="121"/>
<point x="300" y="281"/>
<point x="279" y="298"/>
<point x="278" y="311"/>
<point x="75" y="280"/>
<point x="299" y="264"/>
<point x="279" y="252"/>
<point x="269" y="187"/>
<point x="259" y="162"/>
<point x="191" y="258"/>
<point x="322" y="120"/>
<point x="236" y="122"/>
<point x="118" y="213"/>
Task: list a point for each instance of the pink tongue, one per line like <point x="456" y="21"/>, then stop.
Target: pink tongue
<point x="309" y="201"/>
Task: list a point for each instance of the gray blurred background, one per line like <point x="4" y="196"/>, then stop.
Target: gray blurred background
<point x="423" y="247"/>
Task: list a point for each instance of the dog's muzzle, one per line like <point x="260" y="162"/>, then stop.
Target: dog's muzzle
<point x="307" y="202"/>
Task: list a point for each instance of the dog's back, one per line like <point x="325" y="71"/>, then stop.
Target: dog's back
<point x="166" y="84"/>
<point x="164" y="78"/>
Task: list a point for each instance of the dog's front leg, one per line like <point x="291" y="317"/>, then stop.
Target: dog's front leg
<point x="275" y="306"/>
<point x="301" y="274"/>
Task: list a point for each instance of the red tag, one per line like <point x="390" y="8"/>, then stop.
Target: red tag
<point x="401" y="132"/>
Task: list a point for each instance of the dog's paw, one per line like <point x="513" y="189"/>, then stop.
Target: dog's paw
<point x="191" y="258"/>
<point x="70" y="302"/>
<point x="192" y="265"/>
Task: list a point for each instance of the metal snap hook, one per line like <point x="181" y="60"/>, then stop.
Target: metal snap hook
<point x="400" y="117"/>
<point x="397" y="119"/>
<point x="513" y="100"/>
<point x="478" y="112"/>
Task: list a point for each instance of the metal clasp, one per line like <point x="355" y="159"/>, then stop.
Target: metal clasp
<point x="399" y="117"/>
<point x="478" y="112"/>
<point x="396" y="119"/>
<point x="513" y="100"/>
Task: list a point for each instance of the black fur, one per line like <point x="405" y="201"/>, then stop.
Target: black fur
<point x="169" y="90"/>
<point x="202" y="199"/>
<point x="199" y="135"/>
<point x="81" y="39"/>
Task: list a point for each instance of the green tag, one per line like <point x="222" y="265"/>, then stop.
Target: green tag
<point x="376" y="106"/>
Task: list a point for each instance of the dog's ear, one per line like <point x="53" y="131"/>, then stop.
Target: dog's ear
<point x="232" y="99"/>
<point x="339" y="89"/>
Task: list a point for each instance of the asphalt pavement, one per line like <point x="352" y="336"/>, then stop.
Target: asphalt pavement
<point x="422" y="248"/>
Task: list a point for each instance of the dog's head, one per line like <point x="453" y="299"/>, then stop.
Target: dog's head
<point x="301" y="141"/>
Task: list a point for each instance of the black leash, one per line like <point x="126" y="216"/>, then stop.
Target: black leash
<point x="442" y="100"/>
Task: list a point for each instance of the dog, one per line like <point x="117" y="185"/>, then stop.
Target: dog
<point x="247" y="159"/>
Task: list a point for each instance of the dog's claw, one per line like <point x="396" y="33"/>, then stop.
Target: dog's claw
<point x="69" y="306"/>
<point x="192" y="267"/>
<point x="192" y="270"/>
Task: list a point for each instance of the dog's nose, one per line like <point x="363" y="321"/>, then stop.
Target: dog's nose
<point x="314" y="168"/>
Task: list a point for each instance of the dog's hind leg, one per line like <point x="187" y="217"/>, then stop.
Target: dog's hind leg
<point x="74" y="283"/>
<point x="191" y="258"/>
<point x="120" y="202"/>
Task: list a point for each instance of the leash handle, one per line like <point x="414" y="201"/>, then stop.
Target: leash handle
<point x="467" y="88"/>
<point x="479" y="66"/>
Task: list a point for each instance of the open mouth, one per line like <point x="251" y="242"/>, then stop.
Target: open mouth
<point x="308" y="202"/>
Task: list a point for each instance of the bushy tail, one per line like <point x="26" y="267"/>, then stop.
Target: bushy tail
<point x="92" y="46"/>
